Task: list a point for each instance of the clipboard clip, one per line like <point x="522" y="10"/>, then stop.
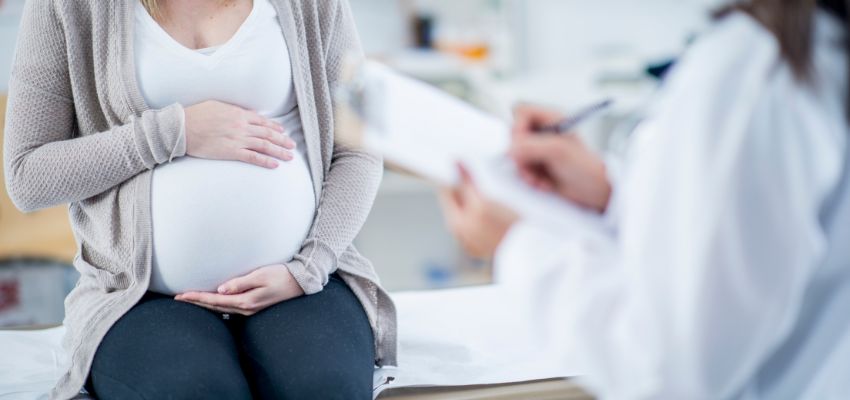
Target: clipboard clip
<point x="359" y="99"/>
<point x="351" y="91"/>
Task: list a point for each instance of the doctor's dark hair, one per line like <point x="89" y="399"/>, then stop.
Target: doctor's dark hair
<point x="792" y="22"/>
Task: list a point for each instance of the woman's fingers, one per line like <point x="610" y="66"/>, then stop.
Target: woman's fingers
<point x="224" y="310"/>
<point x="255" y="158"/>
<point x="267" y="148"/>
<point x="242" y="284"/>
<point x="259" y="120"/>
<point x="241" y="302"/>
<point x="272" y="136"/>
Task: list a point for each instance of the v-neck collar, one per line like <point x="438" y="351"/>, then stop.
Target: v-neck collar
<point x="207" y="60"/>
<point x="303" y="90"/>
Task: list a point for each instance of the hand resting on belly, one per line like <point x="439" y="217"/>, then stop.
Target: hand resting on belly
<point x="220" y="131"/>
<point x="219" y="222"/>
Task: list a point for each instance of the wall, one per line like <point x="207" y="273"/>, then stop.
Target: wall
<point x="9" y="20"/>
<point x="552" y="33"/>
<point x="564" y="32"/>
<point x="582" y="28"/>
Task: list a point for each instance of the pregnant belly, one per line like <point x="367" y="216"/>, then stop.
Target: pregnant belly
<point x="217" y="220"/>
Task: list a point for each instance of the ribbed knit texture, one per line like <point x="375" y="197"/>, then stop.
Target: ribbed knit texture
<point x="78" y="131"/>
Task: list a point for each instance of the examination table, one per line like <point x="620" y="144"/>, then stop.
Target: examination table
<point x="453" y="344"/>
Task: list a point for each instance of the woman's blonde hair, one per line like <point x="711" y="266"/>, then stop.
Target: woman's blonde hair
<point x="152" y="6"/>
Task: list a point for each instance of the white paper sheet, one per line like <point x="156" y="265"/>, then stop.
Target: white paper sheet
<point x="456" y="337"/>
<point x="426" y="131"/>
<point x="31" y="362"/>
<point x="471" y="336"/>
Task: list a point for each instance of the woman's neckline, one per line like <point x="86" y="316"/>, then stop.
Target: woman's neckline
<point x="210" y="53"/>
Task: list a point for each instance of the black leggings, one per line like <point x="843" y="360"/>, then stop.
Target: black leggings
<point x="312" y="347"/>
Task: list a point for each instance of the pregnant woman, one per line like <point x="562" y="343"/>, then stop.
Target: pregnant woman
<point x="193" y="140"/>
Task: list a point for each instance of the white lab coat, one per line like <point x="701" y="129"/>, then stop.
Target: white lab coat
<point x="726" y="271"/>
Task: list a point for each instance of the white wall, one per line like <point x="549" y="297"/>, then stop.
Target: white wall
<point x="564" y="32"/>
<point x="382" y="29"/>
<point x="8" y="33"/>
<point x="553" y="33"/>
<point x="10" y="14"/>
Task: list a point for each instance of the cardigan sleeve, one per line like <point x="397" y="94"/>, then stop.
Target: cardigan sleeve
<point x="46" y="161"/>
<point x="352" y="181"/>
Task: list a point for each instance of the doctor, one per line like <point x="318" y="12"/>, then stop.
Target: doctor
<point x="725" y="268"/>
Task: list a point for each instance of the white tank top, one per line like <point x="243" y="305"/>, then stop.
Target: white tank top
<point x="216" y="220"/>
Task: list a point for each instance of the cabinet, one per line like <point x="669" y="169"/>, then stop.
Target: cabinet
<point x="44" y="234"/>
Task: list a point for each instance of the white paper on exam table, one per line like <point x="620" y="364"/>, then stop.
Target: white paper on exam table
<point x="31" y="364"/>
<point x="426" y="131"/>
<point x="454" y="337"/>
<point x="472" y="336"/>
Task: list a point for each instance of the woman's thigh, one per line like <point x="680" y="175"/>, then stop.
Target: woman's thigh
<point x="313" y="347"/>
<point x="165" y="349"/>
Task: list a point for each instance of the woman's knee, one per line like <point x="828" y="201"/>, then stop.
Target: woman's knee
<point x="166" y="383"/>
<point x="327" y="384"/>
<point x="170" y="350"/>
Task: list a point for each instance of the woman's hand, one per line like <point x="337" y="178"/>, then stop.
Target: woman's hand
<point x="249" y="294"/>
<point x="478" y="223"/>
<point x="220" y="131"/>
<point x="558" y="163"/>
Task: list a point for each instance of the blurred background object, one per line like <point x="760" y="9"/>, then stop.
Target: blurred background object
<point x="35" y="254"/>
<point x="32" y="292"/>
<point x="493" y="53"/>
<point x="10" y="13"/>
<point x="45" y="234"/>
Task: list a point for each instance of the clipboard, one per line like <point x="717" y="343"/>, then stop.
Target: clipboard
<point x="422" y="131"/>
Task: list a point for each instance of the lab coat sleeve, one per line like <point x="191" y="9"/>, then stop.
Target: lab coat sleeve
<point x="718" y="237"/>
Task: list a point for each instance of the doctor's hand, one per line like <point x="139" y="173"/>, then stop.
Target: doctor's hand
<point x="221" y="131"/>
<point x="562" y="164"/>
<point x="249" y="294"/>
<point x="479" y="224"/>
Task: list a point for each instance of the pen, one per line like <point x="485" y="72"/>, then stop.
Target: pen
<point x="567" y="124"/>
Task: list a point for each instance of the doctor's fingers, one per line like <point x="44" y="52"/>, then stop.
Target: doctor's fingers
<point x="529" y="118"/>
<point x="454" y="199"/>
<point x="537" y="178"/>
<point x="451" y="202"/>
<point x="468" y="188"/>
<point x="544" y="149"/>
<point x="454" y="212"/>
<point x="538" y="158"/>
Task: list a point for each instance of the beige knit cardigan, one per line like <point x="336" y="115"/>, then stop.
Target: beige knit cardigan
<point x="78" y="131"/>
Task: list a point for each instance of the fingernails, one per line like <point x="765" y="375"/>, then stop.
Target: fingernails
<point x="291" y="143"/>
<point x="279" y="127"/>
<point x="222" y="290"/>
